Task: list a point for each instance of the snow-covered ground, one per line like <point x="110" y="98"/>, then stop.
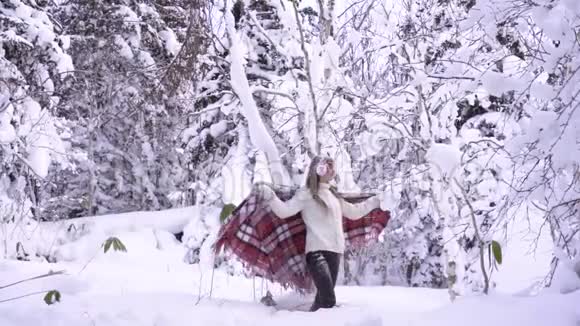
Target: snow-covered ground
<point x="151" y="284"/>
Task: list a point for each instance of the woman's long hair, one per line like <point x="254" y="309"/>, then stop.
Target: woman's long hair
<point x="313" y="180"/>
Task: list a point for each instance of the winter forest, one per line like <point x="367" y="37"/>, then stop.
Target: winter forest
<point x="133" y="123"/>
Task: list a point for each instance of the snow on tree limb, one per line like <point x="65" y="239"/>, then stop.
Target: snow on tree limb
<point x="312" y="116"/>
<point x="258" y="133"/>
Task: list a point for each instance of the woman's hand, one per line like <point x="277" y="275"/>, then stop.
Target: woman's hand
<point x="376" y="200"/>
<point x="263" y="191"/>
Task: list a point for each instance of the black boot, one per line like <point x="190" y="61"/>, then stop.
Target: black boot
<point x="314" y="306"/>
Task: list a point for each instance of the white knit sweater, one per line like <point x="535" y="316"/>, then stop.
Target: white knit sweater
<point x="323" y="226"/>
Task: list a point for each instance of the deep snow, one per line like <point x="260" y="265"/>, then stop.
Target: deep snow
<point x="116" y="292"/>
<point x="151" y="284"/>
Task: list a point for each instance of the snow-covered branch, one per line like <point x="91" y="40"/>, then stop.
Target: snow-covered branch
<point x="257" y="130"/>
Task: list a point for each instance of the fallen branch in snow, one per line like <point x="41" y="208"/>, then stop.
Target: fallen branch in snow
<point x="51" y="273"/>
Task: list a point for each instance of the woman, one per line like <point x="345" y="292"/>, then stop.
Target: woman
<point x="322" y="210"/>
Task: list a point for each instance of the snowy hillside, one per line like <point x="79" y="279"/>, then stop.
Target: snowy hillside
<point x="152" y="284"/>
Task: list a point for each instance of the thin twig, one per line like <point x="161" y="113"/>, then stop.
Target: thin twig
<point x="477" y="235"/>
<point x="451" y="77"/>
<point x="51" y="273"/>
<point x="23" y="296"/>
<point x="211" y="283"/>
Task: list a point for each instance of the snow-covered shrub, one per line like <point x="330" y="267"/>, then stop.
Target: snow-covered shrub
<point x="566" y="277"/>
<point x="33" y="67"/>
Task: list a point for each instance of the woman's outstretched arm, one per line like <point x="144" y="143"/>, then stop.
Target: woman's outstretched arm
<point x="283" y="209"/>
<point x="356" y="211"/>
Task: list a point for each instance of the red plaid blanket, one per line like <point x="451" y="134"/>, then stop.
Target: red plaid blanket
<point x="274" y="248"/>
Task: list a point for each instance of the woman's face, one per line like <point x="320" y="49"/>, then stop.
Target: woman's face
<point x="330" y="172"/>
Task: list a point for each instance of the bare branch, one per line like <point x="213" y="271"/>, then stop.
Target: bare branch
<point x="51" y="273"/>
